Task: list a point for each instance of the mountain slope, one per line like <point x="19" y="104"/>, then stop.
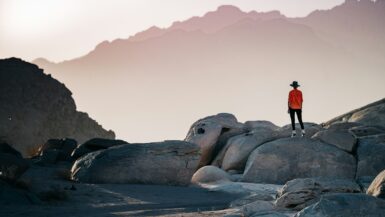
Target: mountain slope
<point x="35" y="107"/>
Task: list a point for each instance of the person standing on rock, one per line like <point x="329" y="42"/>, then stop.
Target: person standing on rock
<point x="295" y="106"/>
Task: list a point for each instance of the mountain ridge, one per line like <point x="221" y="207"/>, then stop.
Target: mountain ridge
<point x="226" y="68"/>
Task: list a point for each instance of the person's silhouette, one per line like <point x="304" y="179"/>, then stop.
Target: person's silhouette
<point x="295" y="106"/>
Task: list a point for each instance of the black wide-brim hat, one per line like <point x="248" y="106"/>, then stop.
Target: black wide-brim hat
<point x="294" y="84"/>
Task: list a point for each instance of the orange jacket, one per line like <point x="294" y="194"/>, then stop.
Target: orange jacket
<point x="295" y="99"/>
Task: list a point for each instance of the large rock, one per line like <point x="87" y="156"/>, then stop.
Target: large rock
<point x="240" y="147"/>
<point x="35" y="107"/>
<point x="257" y="207"/>
<point x="8" y="149"/>
<point x="95" y="144"/>
<point x="211" y="134"/>
<point x="342" y="139"/>
<point x="12" y="165"/>
<point x="345" y="204"/>
<point x="310" y="129"/>
<point x="252" y="125"/>
<point x="377" y="188"/>
<point x="342" y="125"/>
<point x="372" y="114"/>
<point x="210" y="174"/>
<point x="361" y="131"/>
<point x="300" y="193"/>
<point x="370" y="155"/>
<point x="55" y="150"/>
<point x="285" y="159"/>
<point x="166" y="163"/>
<point x="254" y="190"/>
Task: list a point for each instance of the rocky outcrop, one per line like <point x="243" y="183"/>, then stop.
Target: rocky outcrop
<point x="210" y="174"/>
<point x="345" y="204"/>
<point x="285" y="159"/>
<point x="35" y="107"/>
<point x="95" y="144"/>
<point x="370" y="155"/>
<point x="211" y="134"/>
<point x="377" y="188"/>
<point x="342" y="139"/>
<point x="372" y="114"/>
<point x="167" y="163"/>
<point x="300" y="193"/>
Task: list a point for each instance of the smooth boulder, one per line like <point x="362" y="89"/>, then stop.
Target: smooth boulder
<point x="240" y="147"/>
<point x="285" y="159"/>
<point x="370" y="155"/>
<point x="211" y="134"/>
<point x="345" y="204"/>
<point x="342" y="139"/>
<point x="165" y="163"/>
<point x="371" y="116"/>
<point x="377" y="188"/>
<point x="210" y="174"/>
<point x="300" y="193"/>
<point x="95" y="144"/>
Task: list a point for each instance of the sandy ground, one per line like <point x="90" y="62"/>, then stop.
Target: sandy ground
<point x="129" y="200"/>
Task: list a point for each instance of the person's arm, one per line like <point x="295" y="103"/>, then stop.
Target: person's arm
<point x="288" y="103"/>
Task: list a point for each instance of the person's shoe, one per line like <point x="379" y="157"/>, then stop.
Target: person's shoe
<point x="293" y="133"/>
<point x="303" y="133"/>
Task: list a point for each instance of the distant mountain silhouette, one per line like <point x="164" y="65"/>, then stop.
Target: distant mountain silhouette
<point x="35" y="107"/>
<point x="230" y="60"/>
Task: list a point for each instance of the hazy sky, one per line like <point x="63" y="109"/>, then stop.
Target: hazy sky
<point x="65" y="29"/>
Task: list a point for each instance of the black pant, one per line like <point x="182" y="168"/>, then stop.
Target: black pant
<point x="292" y="117"/>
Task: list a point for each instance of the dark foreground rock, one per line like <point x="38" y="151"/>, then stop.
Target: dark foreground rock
<point x="11" y="195"/>
<point x="370" y="155"/>
<point x="95" y="144"/>
<point x="352" y="205"/>
<point x="55" y="150"/>
<point x="300" y="193"/>
<point x="167" y="163"/>
<point x="12" y="164"/>
<point x="377" y="188"/>
<point x="285" y="159"/>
